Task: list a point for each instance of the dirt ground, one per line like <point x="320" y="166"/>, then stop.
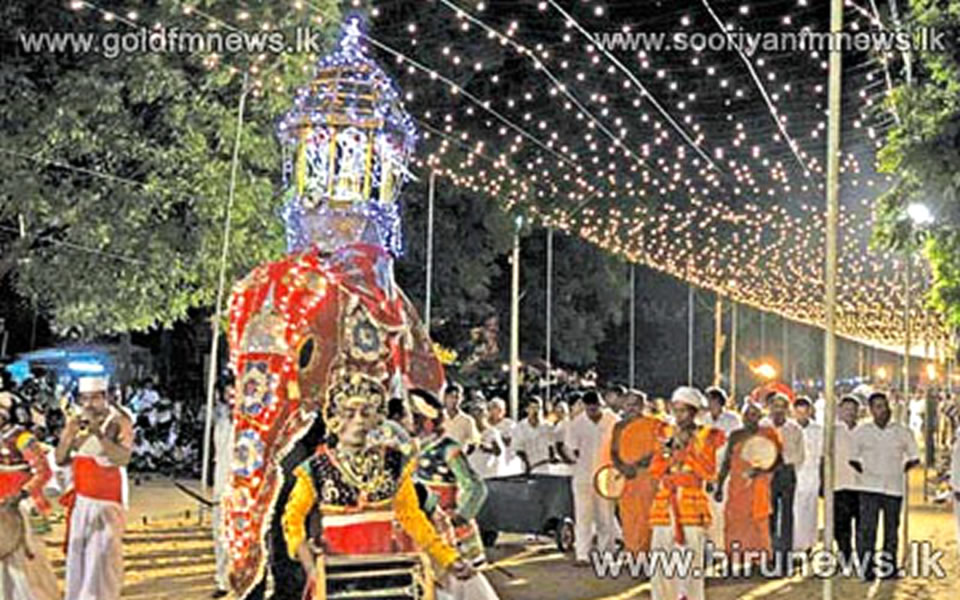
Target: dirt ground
<point x="169" y="556"/>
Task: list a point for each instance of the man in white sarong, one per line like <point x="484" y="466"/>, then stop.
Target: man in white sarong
<point x="97" y="443"/>
<point x="25" y="573"/>
<point x="223" y="446"/>
<point x="805" y="503"/>
<point x="589" y="433"/>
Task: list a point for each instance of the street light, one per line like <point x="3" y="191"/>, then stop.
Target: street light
<point x="881" y="373"/>
<point x="764" y="370"/>
<point x="919" y="213"/>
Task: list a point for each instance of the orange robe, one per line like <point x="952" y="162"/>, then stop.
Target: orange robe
<point x="638" y="438"/>
<point x="747" y="512"/>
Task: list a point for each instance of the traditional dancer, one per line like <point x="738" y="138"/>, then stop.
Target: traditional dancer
<point x="97" y="443"/>
<point x="25" y="573"/>
<point x="683" y="465"/>
<point x="456" y="494"/>
<point x="360" y="490"/>
<point x="747" y="514"/>
<point x="632" y="448"/>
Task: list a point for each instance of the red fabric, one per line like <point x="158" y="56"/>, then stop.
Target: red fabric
<point x="11" y="482"/>
<point x="93" y="480"/>
<point x="67" y="501"/>
<point x="362" y="538"/>
<point x="673" y="482"/>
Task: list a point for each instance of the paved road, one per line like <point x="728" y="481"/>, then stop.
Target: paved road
<point x="171" y="558"/>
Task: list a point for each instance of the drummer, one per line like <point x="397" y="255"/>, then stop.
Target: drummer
<point x="25" y="573"/>
<point x="97" y="444"/>
<point x="633" y="443"/>
<point x="747" y="510"/>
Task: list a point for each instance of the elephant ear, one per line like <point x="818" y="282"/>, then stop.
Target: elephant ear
<point x="276" y="351"/>
<point x="424" y="369"/>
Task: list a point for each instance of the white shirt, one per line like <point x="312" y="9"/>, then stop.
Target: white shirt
<point x="462" y="428"/>
<point x="535" y="442"/>
<point x="845" y="478"/>
<point x="808" y="475"/>
<point x="792" y="437"/>
<point x="883" y="454"/>
<point x="726" y="422"/>
<point x="485" y="464"/>
<point x="587" y="437"/>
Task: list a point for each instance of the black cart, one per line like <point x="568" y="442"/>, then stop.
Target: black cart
<point x="532" y="503"/>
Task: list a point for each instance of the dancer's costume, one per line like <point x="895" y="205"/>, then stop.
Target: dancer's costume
<point x="25" y="573"/>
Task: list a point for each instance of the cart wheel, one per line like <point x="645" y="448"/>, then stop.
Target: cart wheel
<point x="489" y="537"/>
<point x="564" y="535"/>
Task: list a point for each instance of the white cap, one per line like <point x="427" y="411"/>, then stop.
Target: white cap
<point x="690" y="396"/>
<point x="92" y="385"/>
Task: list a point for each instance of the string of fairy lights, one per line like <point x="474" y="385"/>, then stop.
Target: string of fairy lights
<point x="700" y="167"/>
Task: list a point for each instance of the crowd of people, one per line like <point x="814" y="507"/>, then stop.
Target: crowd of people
<point x="645" y="475"/>
<point x="168" y="432"/>
<point x="751" y="476"/>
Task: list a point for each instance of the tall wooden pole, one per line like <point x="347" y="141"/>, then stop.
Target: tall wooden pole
<point x="904" y="412"/>
<point x="733" y="352"/>
<point x="221" y="283"/>
<point x="718" y="342"/>
<point x="549" y="339"/>
<point x="515" y="324"/>
<point x="690" y="319"/>
<point x="632" y="370"/>
<point x="830" y="308"/>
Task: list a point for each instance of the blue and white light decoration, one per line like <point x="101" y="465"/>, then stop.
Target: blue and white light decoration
<point x="352" y="141"/>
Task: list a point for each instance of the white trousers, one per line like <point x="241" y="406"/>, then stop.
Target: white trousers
<point x="26" y="574"/>
<point x="594" y="515"/>
<point x="95" y="550"/>
<point x="956" y="514"/>
<point x="220" y="549"/>
<point x="475" y="588"/>
<point x="805" y="521"/>
<point x="678" y="587"/>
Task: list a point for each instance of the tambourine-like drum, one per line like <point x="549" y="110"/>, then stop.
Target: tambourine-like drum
<point x="760" y="452"/>
<point x="382" y="576"/>
<point x="14" y="530"/>
<point x="609" y="482"/>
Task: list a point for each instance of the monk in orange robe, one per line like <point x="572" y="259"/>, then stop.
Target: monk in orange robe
<point x="633" y="444"/>
<point x="747" y="509"/>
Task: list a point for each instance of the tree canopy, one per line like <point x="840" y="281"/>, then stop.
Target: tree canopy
<point x="923" y="151"/>
<point x="117" y="170"/>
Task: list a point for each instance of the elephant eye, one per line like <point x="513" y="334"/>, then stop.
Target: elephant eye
<point x="306" y="353"/>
